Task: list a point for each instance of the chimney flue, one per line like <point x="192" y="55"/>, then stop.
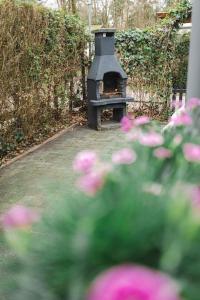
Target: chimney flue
<point x="104" y="42"/>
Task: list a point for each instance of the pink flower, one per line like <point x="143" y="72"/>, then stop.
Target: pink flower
<point x="177" y="140"/>
<point x="126" y="124"/>
<point x="162" y="153"/>
<point x="84" y="161"/>
<point x="141" y="120"/>
<point x="181" y="118"/>
<point x="132" y="282"/>
<point x="91" y="182"/>
<point x="151" y="139"/>
<point x="176" y="104"/>
<point x="19" y="217"/>
<point x="191" y="152"/>
<point x="193" y="103"/>
<point x="124" y="156"/>
<point x="133" y="135"/>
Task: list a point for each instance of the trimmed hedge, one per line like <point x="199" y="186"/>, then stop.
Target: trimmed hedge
<point x="40" y="54"/>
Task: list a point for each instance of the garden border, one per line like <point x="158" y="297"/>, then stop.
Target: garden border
<point x="37" y="147"/>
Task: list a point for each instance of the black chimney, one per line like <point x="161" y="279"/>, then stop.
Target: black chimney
<point x="106" y="81"/>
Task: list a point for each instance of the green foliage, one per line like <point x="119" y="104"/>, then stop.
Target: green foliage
<point x="181" y="12"/>
<point x="180" y="67"/>
<point x="152" y="56"/>
<point x="41" y="52"/>
<point x="145" y="53"/>
<point x="127" y="221"/>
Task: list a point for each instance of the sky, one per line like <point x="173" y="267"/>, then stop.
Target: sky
<point x="50" y="3"/>
<point x="53" y="3"/>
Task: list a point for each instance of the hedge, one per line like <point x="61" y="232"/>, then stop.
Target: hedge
<point x="40" y="54"/>
<point x="156" y="58"/>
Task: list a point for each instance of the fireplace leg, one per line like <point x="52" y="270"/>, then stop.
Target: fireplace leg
<point x="94" y="117"/>
<point x="119" y="113"/>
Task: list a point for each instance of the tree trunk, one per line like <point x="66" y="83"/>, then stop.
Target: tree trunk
<point x="95" y="12"/>
<point x="73" y="6"/>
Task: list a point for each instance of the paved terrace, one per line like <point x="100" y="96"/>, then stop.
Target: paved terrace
<point x="40" y="177"/>
<point x="28" y="180"/>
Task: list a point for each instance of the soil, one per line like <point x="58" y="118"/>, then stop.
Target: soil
<point x="78" y="118"/>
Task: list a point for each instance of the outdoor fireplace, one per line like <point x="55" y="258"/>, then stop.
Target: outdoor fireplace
<point x="106" y="81"/>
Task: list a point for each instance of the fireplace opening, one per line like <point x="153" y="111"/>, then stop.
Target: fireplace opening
<point x="110" y="87"/>
<point x="106" y="115"/>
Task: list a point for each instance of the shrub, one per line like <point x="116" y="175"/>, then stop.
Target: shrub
<point x="41" y="53"/>
<point x="156" y="60"/>
<point x="180" y="67"/>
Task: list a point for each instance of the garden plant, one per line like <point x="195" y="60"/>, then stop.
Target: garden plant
<point x="133" y="231"/>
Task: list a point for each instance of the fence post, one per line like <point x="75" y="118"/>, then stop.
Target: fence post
<point x="193" y="86"/>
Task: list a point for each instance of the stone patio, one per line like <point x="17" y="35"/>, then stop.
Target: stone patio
<point x="45" y="171"/>
<point x="44" y="175"/>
